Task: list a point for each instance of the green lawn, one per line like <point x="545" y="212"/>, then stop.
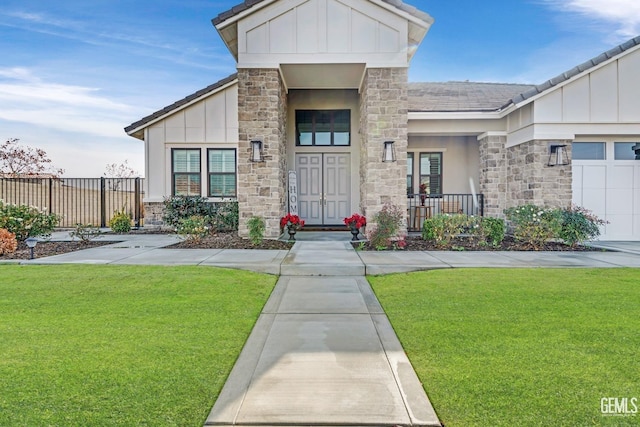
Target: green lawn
<point x="103" y="345"/>
<point x="535" y="347"/>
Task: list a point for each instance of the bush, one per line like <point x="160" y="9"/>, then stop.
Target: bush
<point x="444" y="227"/>
<point x="579" y="225"/>
<point x="387" y="224"/>
<point x="8" y="242"/>
<point x="535" y="225"/>
<point x="120" y="222"/>
<point x="256" y="229"/>
<point x="218" y="215"/>
<point x="26" y="221"/>
<point x="194" y="228"/>
<point x="85" y="232"/>
<point x="492" y="230"/>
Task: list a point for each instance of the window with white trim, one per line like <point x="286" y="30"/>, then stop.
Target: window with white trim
<point x="185" y="172"/>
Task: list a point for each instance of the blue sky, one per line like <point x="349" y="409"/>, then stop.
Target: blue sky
<point x="74" y="73"/>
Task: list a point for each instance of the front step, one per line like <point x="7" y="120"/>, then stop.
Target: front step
<point x="322" y="259"/>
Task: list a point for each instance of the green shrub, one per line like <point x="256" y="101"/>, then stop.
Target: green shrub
<point x="579" y="225"/>
<point x="182" y="207"/>
<point x="534" y="225"/>
<point x="120" y="222"/>
<point x="194" y="228"/>
<point x="85" y="232"/>
<point x="443" y="227"/>
<point x="387" y="223"/>
<point x="492" y="230"/>
<point x="26" y="221"/>
<point x="256" y="229"/>
<point x="222" y="216"/>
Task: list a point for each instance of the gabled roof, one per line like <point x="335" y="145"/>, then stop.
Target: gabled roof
<point x="461" y="96"/>
<point x="247" y="4"/>
<point x="593" y="62"/>
<point x="176" y="105"/>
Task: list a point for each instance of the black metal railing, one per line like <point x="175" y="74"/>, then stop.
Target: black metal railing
<point x="423" y="206"/>
<point x="77" y="200"/>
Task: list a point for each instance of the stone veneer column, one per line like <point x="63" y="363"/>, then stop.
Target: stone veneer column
<point x="493" y="174"/>
<point x="383" y="117"/>
<point x="530" y="180"/>
<point x="262" y="115"/>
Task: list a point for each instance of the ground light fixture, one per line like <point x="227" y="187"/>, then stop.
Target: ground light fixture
<point x="389" y="152"/>
<point x="256" y="151"/>
<point x="31" y="243"/>
<point x="558" y="155"/>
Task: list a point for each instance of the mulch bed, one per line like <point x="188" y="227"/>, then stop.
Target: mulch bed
<point x="466" y="244"/>
<point x="45" y="249"/>
<point x="229" y="241"/>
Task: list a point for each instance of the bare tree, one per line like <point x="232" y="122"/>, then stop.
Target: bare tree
<point x="118" y="172"/>
<point x="122" y="170"/>
<point x="18" y="160"/>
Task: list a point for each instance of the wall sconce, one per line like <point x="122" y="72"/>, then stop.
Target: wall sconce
<point x="558" y="155"/>
<point x="389" y="152"/>
<point x="256" y="151"/>
<point x="636" y="149"/>
<point x="31" y="244"/>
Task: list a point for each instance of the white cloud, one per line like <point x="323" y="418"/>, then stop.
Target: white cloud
<point x="28" y="99"/>
<point x="624" y="15"/>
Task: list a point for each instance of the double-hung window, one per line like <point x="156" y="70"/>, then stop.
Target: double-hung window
<point x="222" y="172"/>
<point x="185" y="171"/>
<point x="431" y="172"/>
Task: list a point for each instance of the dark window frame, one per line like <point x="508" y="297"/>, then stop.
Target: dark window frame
<point x="234" y="173"/>
<point x="174" y="174"/>
<point x="410" y="176"/>
<point x="314" y="115"/>
<point x="430" y="175"/>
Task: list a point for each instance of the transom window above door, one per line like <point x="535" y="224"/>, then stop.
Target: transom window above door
<point x="323" y="127"/>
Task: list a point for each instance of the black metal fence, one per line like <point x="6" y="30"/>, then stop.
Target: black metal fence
<point x="423" y="206"/>
<point x="78" y="200"/>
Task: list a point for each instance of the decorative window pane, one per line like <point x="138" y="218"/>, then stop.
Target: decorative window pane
<point x="323" y="127"/>
<point x="222" y="172"/>
<point x="185" y="165"/>
<point x="431" y="172"/>
<point x="624" y="151"/>
<point x="588" y="151"/>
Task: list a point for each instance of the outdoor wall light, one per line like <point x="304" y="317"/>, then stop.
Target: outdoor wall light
<point x="31" y="244"/>
<point x="256" y="151"/>
<point x="558" y="155"/>
<point x="389" y="152"/>
<point x="636" y="149"/>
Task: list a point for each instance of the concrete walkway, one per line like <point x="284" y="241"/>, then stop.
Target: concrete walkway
<point x="322" y="351"/>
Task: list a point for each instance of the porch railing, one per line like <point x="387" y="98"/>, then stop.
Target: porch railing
<point x="77" y="200"/>
<point x="423" y="206"/>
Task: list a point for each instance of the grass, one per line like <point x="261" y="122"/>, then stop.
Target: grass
<point x="520" y="347"/>
<point x="105" y="345"/>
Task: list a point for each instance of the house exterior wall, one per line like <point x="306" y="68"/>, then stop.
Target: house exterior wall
<point x="493" y="172"/>
<point x="322" y="31"/>
<point x="262" y="106"/>
<point x="383" y="117"/>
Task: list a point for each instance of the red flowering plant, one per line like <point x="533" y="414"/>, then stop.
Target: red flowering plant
<point x="355" y="220"/>
<point x="291" y="222"/>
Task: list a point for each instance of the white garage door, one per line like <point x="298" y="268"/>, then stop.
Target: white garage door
<point x="611" y="189"/>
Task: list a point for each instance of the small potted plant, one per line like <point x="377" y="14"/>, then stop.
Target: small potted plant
<point x="292" y="223"/>
<point x="355" y="222"/>
<point x="423" y="193"/>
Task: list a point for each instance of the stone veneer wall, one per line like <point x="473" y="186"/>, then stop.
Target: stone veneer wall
<point x="153" y="213"/>
<point x="262" y="115"/>
<point x="530" y="180"/>
<point x="519" y="175"/>
<point x="383" y="117"/>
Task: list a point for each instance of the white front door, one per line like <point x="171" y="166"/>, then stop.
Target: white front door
<point x="324" y="187"/>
